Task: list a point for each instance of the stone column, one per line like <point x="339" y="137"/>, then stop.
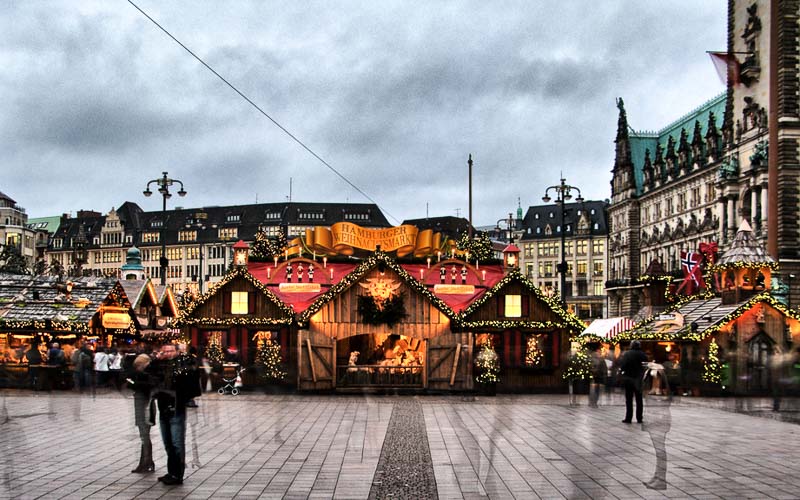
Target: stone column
<point x="764" y="202"/>
<point x="722" y="221"/>
<point x="732" y="225"/>
<point x="753" y="207"/>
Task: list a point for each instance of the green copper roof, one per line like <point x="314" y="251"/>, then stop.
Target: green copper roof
<point x="640" y="141"/>
<point x="50" y="224"/>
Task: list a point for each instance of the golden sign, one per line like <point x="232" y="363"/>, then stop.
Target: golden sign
<point x="343" y="238"/>
<point x="115" y="320"/>
<point x="454" y="289"/>
<point x="299" y="287"/>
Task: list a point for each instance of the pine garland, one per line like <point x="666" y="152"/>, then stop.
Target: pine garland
<point x="488" y="364"/>
<point x="390" y="312"/>
<point x="712" y="370"/>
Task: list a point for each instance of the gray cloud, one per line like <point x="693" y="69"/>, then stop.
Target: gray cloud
<point x="394" y="95"/>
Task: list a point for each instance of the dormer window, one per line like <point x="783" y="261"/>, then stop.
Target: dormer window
<point x="234" y="218"/>
<point x="272" y="215"/>
<point x="536" y="216"/>
<point x="311" y="216"/>
<point x="551" y="215"/>
<point x="156" y="223"/>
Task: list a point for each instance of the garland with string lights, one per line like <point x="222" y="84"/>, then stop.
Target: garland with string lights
<point x="579" y="366"/>
<point x="712" y="371"/>
<point x="184" y="317"/>
<point x="488" y="364"/>
<point x="641" y="333"/>
<point x="362" y="269"/>
<point x="570" y="321"/>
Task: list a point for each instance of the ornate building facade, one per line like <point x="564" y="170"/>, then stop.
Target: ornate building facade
<point x="698" y="178"/>
<point x="198" y="240"/>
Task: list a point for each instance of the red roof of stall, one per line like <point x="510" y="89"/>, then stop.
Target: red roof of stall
<point x="482" y="278"/>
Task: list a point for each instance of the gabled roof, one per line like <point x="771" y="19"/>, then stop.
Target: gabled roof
<point x="642" y="140"/>
<point x="26" y="300"/>
<point x="136" y="290"/>
<point x="515" y="276"/>
<point x="371" y="262"/>
<point x="709" y="315"/>
<point x="538" y="217"/>
<point x="745" y="249"/>
<point x="239" y="272"/>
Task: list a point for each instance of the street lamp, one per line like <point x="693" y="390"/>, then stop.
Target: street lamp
<point x="563" y="193"/>
<point x="163" y="187"/>
<point x="509" y="227"/>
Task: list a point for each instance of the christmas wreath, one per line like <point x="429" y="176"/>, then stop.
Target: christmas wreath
<point x="389" y="312"/>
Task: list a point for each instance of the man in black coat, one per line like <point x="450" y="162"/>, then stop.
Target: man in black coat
<point x="178" y="382"/>
<point x="631" y="369"/>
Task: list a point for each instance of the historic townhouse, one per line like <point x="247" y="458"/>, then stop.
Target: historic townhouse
<point x="198" y="240"/>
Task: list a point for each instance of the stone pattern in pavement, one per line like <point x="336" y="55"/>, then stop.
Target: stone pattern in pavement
<point x="298" y="446"/>
<point x="405" y="469"/>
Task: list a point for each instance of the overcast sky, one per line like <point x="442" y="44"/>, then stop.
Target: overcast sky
<point x="395" y="95"/>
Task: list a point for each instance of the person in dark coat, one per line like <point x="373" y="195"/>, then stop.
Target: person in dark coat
<point x="631" y="369"/>
<point x="178" y="382"/>
<point x="34" y="358"/>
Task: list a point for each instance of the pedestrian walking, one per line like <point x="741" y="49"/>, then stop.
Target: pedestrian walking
<point x="632" y="370"/>
<point x="659" y="420"/>
<point x="87" y="365"/>
<point x="178" y="382"/>
<point x="141" y="382"/>
<point x="101" y="367"/>
<point x="56" y="362"/>
<point x="599" y="374"/>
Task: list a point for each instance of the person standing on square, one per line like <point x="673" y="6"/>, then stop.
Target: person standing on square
<point x="632" y="370"/>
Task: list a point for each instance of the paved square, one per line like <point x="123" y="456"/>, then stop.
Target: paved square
<point x="63" y="445"/>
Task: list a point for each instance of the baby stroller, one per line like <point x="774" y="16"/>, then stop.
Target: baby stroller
<point x="233" y="381"/>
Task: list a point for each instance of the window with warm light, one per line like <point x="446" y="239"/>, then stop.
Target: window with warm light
<point x="226" y="233"/>
<point x="238" y="302"/>
<point x="513" y="307"/>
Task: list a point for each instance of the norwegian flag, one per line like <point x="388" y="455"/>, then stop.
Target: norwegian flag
<point x="690" y="264"/>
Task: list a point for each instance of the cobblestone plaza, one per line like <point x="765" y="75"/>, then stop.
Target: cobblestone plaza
<point x="63" y="445"/>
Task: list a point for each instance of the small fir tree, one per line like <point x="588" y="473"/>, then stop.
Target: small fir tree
<point x="214" y="353"/>
<point x="479" y="247"/>
<point x="269" y="357"/>
<point x="265" y="248"/>
<point x="712" y="370"/>
<point x="579" y="366"/>
<point x="488" y="364"/>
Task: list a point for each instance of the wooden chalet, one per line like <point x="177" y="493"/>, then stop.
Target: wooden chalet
<point x="747" y="318"/>
<point x="380" y="322"/>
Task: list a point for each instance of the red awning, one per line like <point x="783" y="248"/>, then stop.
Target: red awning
<point x="608" y="328"/>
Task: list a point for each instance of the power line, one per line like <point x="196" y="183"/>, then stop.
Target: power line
<point x="257" y="107"/>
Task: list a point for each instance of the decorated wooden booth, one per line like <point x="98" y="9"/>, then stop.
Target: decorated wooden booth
<point x="736" y="334"/>
<point x="412" y="316"/>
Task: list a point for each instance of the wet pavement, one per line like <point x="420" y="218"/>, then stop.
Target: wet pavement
<point x="64" y="445"/>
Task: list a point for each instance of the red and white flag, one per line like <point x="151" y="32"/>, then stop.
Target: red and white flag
<point x="690" y="264"/>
